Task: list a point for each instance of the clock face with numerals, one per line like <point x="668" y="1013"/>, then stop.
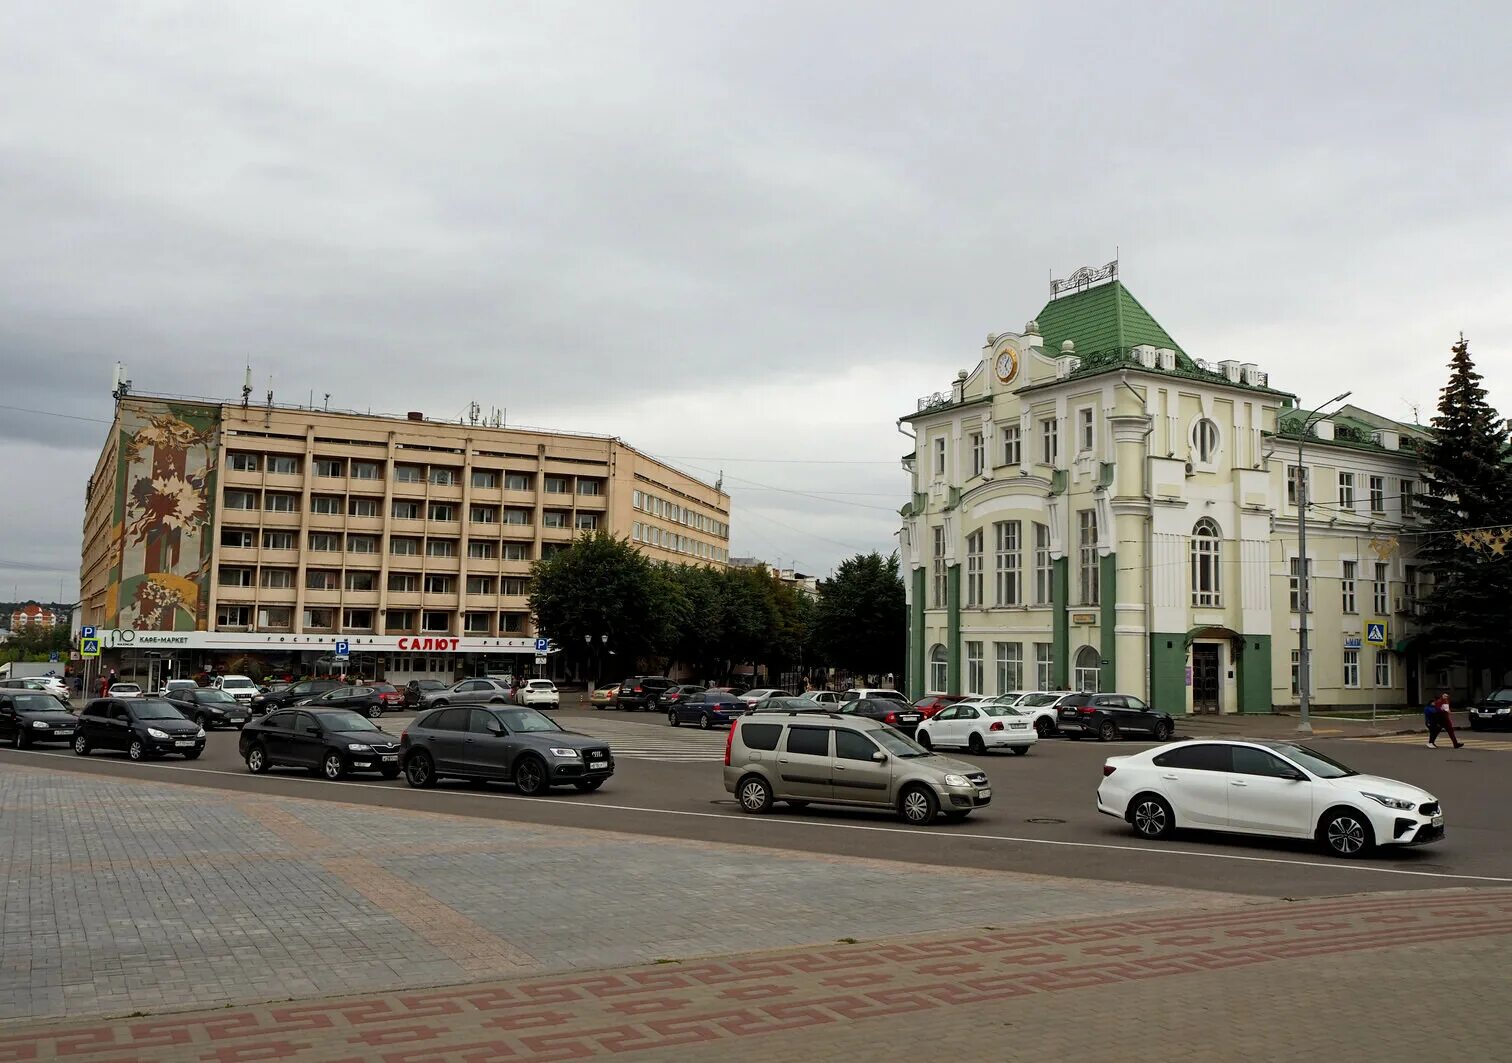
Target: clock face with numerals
<point x="1007" y="365"/>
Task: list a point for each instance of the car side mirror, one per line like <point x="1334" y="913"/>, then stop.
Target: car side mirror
<point x="880" y="757"/>
<point x="1293" y="775"/>
<point x="497" y="730"/>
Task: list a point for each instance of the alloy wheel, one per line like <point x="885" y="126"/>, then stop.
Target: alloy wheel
<point x="1043" y="727"/>
<point x="672" y="717"/>
<point x="1150" y="818"/>
<point x="529" y="776"/>
<point x="754" y="796"/>
<point x="418" y="771"/>
<point x="257" y="760"/>
<point x="136" y="751"/>
<point x="704" y="722"/>
<point x="1346" y="835"/>
<point x="333" y="767"/>
<point x="917" y="807"/>
<point x="81" y="745"/>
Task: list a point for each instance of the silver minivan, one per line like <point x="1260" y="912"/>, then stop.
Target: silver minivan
<point x="828" y="758"/>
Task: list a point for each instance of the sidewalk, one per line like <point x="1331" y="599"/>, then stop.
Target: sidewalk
<point x="1338" y="980"/>
<point x="1285" y="726"/>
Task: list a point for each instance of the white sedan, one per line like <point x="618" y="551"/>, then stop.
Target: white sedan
<point x="1272" y="788"/>
<point x="539" y="692"/>
<point x="125" y="690"/>
<point x="978" y="726"/>
<point x="1039" y="704"/>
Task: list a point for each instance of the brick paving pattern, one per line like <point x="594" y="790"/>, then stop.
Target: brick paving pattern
<point x="1345" y="979"/>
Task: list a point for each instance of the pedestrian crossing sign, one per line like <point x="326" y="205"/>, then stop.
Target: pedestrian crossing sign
<point x="1375" y="632"/>
<point x="89" y="647"/>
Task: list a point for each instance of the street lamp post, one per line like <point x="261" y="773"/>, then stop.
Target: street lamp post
<point x="1304" y="602"/>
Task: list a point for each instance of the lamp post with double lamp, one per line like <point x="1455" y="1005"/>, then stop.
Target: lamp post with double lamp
<point x="1304" y="603"/>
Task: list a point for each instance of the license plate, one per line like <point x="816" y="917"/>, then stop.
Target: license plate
<point x="391" y="757"/>
<point x="1020" y="726"/>
<point x="984" y="793"/>
<point x="184" y="742"/>
<point x="1438" y="821"/>
<point x="63" y="734"/>
<point x="595" y="765"/>
<point x="909" y="719"/>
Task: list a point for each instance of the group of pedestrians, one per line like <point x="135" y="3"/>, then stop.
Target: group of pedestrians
<point x="1439" y="718"/>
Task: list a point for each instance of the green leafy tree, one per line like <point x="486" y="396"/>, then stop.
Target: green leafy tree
<point x="1468" y="615"/>
<point x="862" y="621"/>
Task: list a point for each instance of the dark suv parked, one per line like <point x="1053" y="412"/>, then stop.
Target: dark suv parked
<point x="143" y="727"/>
<point x="644" y="692"/>
<point x="209" y="707"/>
<point x="518" y="745"/>
<point x="1110" y="716"/>
<point x="1492" y="711"/>
<point x="329" y="742"/>
<point x="278" y="699"/>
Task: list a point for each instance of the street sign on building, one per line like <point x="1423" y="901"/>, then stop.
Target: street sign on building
<point x="89" y="647"/>
<point x="1375" y="632"/>
<point x="542" y="645"/>
<point x="1351" y="642"/>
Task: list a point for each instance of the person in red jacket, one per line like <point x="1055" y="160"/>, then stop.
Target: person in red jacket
<point x="1442" y="719"/>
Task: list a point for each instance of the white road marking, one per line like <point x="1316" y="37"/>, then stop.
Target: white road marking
<point x="1471" y="741"/>
<point x="757" y="820"/>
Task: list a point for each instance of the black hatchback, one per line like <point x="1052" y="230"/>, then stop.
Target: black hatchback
<point x="28" y="716"/>
<point x="518" y="745"/>
<point x="143" y="727"/>
<point x="209" y="707"/>
<point x="1110" y="716"/>
<point x="329" y="742"/>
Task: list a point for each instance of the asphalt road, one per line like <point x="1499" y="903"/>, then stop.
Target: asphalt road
<point x="1042" y="819"/>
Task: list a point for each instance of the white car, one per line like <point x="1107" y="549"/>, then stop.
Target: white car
<point x="751" y="697"/>
<point x="177" y="684"/>
<point x="539" y="692"/>
<point x="239" y="687"/>
<point x="1039" y="704"/>
<point x="125" y="690"/>
<point x="875" y="694"/>
<point x="978" y="726"/>
<point x="1274" y="788"/>
<point x="821" y="697"/>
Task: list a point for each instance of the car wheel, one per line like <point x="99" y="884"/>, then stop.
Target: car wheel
<point x="1152" y="816"/>
<point x="81" y="745"/>
<point x="922" y="737"/>
<point x="976" y="745"/>
<point x="19" y="739"/>
<point x="333" y="766"/>
<point x="1043" y="727"/>
<point x="390" y="773"/>
<point x="672" y="718"/>
<point x="374" y="711"/>
<point x="193" y="754"/>
<point x="588" y="785"/>
<point x="420" y="771"/>
<point x="652" y="704"/>
<point x="704" y="723"/>
<point x="530" y="776"/>
<point x="136" y="751"/>
<point x="1019" y="751"/>
<point x="1346" y="833"/>
<point x="918" y="806"/>
<point x="755" y="794"/>
<point x="1107" y="732"/>
<point x="1164" y="730"/>
<point x="257" y="760"/>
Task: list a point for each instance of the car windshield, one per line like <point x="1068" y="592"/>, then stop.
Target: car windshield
<point x="346" y="721"/>
<point x="36" y="703"/>
<point x="896" y="743"/>
<point x="1315" y="762"/>
<point x="527" y="720"/>
<point x="235" y="684"/>
<point x="1001" y="710"/>
<point x="1504" y="694"/>
<point x="156" y="710"/>
<point x="213" y="697"/>
<point x="384" y="688"/>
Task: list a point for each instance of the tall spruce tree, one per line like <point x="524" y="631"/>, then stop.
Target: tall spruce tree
<point x="1468" y="616"/>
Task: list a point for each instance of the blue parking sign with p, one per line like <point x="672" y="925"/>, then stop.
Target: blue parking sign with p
<point x="343" y="648"/>
<point x="542" y="645"/>
<point x="86" y="632"/>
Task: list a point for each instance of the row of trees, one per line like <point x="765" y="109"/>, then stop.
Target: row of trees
<point x="615" y="612"/>
<point x="36" y="644"/>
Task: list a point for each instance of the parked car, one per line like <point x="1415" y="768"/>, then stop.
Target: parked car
<point x="1273" y="788"/>
<point x="324" y="740"/>
<point x="757" y="694"/>
<point x="845" y="759"/>
<point x="210" y="708"/>
<point x="643" y="692"/>
<point x="239" y="687"/>
<point x="538" y="692"/>
<point x="979" y="728"/>
<point x="602" y="697"/>
<point x="1492" y="711"/>
<point x="305" y="688"/>
<point x="707" y="708"/>
<point x="50" y="685"/>
<point x="519" y="745"/>
<point x="143" y="727"/>
<point x="891" y="711"/>
<point x="1110" y="716"/>
<point x="1039" y="704"/>
<point x="681" y="691"/>
<point x="821" y="697"/>
<point x="876" y="694"/>
<point x="416" y="690"/>
<point x="176" y="684"/>
<point x="932" y="704"/>
<point x="125" y="690"/>
<point x="370" y="699"/>
<point x="31" y="716"/>
<point x="476" y="691"/>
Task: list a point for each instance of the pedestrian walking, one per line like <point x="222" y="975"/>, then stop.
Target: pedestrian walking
<point x="1440" y="718"/>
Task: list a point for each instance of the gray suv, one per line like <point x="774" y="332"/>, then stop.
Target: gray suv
<point x="477" y="691"/>
<point x="827" y="758"/>
<point x="517" y="745"/>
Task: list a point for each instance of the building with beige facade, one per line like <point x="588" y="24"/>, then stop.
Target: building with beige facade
<point x="214" y="531"/>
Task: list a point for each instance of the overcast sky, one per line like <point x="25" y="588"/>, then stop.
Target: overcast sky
<point x="745" y="236"/>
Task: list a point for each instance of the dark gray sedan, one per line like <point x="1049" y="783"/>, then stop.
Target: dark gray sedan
<point x="517" y="745"/>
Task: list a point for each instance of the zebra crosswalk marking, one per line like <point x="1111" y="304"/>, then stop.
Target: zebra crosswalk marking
<point x="1472" y="741"/>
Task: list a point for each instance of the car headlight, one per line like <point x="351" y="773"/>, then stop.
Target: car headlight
<point x="567" y="754"/>
<point x="42" y="724"/>
<point x="153" y="732"/>
<point x="359" y="747"/>
<point x="200" y="733"/>
<point x="1391" y="802"/>
<point x="957" y="780"/>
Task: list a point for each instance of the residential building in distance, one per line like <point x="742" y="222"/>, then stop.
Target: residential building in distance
<point x="214" y="531"/>
<point x="34" y="615"/>
<point x="1095" y="509"/>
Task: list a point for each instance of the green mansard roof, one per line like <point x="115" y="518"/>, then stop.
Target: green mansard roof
<point x="1106" y="318"/>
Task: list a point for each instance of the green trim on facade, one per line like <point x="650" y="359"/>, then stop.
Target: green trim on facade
<point x="917" y="677"/>
<point x="953" y="627"/>
<point x="1108" y="595"/>
<point x="1060" y="636"/>
<point x="1168" y="656"/>
<point x="1254" y="674"/>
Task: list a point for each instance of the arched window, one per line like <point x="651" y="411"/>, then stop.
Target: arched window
<point x="1207" y="551"/>
<point x="939" y="675"/>
<point x="1088" y="669"/>
<point x="1205" y="440"/>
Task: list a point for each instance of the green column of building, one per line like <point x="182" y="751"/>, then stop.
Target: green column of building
<point x="917" y="647"/>
<point x="1108" y="596"/>
<point x="1255" y="674"/>
<point x="953" y="628"/>
<point x="1060" y="634"/>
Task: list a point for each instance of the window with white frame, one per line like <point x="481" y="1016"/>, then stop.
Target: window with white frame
<point x="366" y="470"/>
<point x="325" y="542"/>
<point x="1013" y="444"/>
<point x="277" y="578"/>
<point x="364" y="507"/>
<point x="233" y="616"/>
<point x="1008" y="558"/>
<point x="1087" y="555"/>
<point x="1295" y="475"/>
<point x="242" y="462"/>
<point x="1351" y="668"/>
<point x="1346" y="489"/>
<point x="279" y="540"/>
<point x="330" y="467"/>
<point x="939" y="567"/>
<point x="482" y="549"/>
<point x="275" y="502"/>
<point x="1049" y="441"/>
<point x="939" y="457"/>
<point x="404" y="546"/>
<point x="442" y="476"/>
<point x="939" y="672"/>
<point x="283" y="464"/>
<point x="1347" y="587"/>
<point x="974" y="569"/>
<point x="1044" y="665"/>
<point x="1407" y="487"/>
<point x="1380" y="588"/>
<point x="488" y="479"/>
<point x="1207" y="548"/>
<point x="974" y="667"/>
<point x="1084" y="430"/>
<point x="1294" y="582"/>
<point x="1378" y="494"/>
<point x="1205" y="440"/>
<point x="1296" y="672"/>
<point x="241" y="500"/>
<point x="520" y="481"/>
<point x="1044" y="568"/>
<point x="1010" y="666"/>
<point x="1088" y="669"/>
<point x="1383" y="668"/>
<point x="403" y="582"/>
<point x="978" y="453"/>
<point x="408" y="474"/>
<point x="326" y="504"/>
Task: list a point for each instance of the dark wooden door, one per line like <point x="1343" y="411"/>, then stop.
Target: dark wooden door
<point x="1205" y="678"/>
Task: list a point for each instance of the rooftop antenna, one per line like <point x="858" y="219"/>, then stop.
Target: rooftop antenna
<point x="120" y="386"/>
<point x="247" y="387"/>
<point x="1416" y="408"/>
<point x="268" y="412"/>
<point x="473" y="409"/>
<point x="328" y="401"/>
<point x="719" y="483"/>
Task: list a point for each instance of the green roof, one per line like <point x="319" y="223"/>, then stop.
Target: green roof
<point x="1104" y="318"/>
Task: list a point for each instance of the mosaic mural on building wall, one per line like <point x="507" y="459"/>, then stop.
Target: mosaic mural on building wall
<point x="165" y="486"/>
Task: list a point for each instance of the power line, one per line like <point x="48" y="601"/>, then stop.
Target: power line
<point x="786" y="490"/>
<point x="54" y="413"/>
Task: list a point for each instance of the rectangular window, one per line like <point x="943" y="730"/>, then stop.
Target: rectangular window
<point x="403" y="583"/>
<point x="1408" y="487"/>
<point x="238" y="538"/>
<point x="1378" y="494"/>
<point x="487" y="479"/>
<point x="1294" y="583"/>
<point x="586" y="522"/>
<point x="484" y="514"/>
<point x="1087" y="555"/>
<point x="517" y="516"/>
<point x="974" y="573"/>
<point x="319" y="619"/>
<point x="434" y="623"/>
<point x="366" y="470"/>
<point x="1383" y="669"/>
<point x="519" y="481"/>
<point x="322" y="579"/>
<point x="1351" y="668"/>
<point x="1294" y="475"/>
<point x="590" y="487"/>
<point x="516" y="551"/>
<point x="233" y="616"/>
<point x="1346" y="489"/>
<point x="406" y="510"/>
<point x="939" y="568"/>
<point x="278" y="578"/>
<point x="978" y="453"/>
<point x="1084" y="430"/>
<point x="442" y="476"/>
<point x="326" y="504"/>
<point x="550" y="550"/>
<point x="326" y="542"/>
<point x="279" y="540"/>
<point x="1044" y="665"/>
<point x="440" y="548"/>
<point x="235" y="577"/>
<point x="1347" y="587"/>
<point x="278" y="502"/>
<point x="399" y="620"/>
<point x="1044" y="568"/>
<point x="401" y="546"/>
<point x="1296" y="672"/>
<point x="408" y="474"/>
<point x="974" y="667"/>
<point x="1380" y="590"/>
<point x="241" y="500"/>
<point x="240" y="462"/>
<point x="274" y="618"/>
<point x="1206" y="553"/>
<point x="509" y="622"/>
<point x="558" y="485"/>
<point x="330" y="467"/>
<point x="513" y="585"/>
<point x="1410" y="584"/>
<point x="480" y="585"/>
<point x="440" y="585"/>
<point x="1007" y="558"/>
<point x="362" y="544"/>
<point x="364" y="507"/>
<point x="554" y="518"/>
<point x="477" y="623"/>
<point x="1013" y="449"/>
<point x="1010" y="666"/>
<point x="283" y="465"/>
<point x="362" y="581"/>
<point x="357" y="620"/>
<point x="939" y="457"/>
<point x="1049" y="442"/>
<point x="482" y="549"/>
<point x="443" y="511"/>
